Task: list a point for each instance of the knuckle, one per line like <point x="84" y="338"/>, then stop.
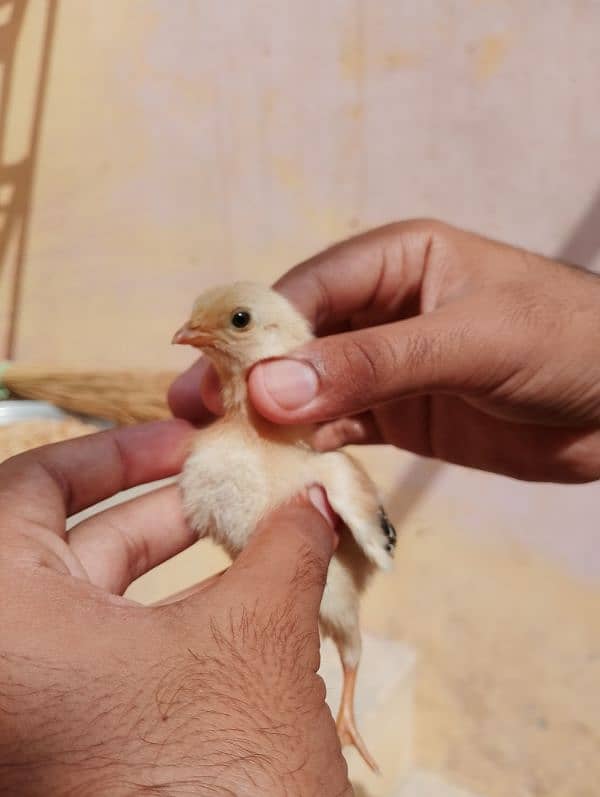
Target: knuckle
<point x="423" y="351"/>
<point x="579" y="460"/>
<point x="366" y="365"/>
<point x="418" y="350"/>
<point x="436" y="358"/>
<point x="420" y="225"/>
<point x="360" y="361"/>
<point x="134" y="553"/>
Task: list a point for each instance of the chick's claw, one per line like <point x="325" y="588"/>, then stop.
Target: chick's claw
<point x="388" y="529"/>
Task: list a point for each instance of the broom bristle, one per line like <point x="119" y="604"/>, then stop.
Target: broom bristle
<point x="124" y="396"/>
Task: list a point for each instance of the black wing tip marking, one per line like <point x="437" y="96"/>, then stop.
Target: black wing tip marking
<point x="389" y="531"/>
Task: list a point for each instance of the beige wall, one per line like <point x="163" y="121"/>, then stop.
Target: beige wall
<point x="183" y="143"/>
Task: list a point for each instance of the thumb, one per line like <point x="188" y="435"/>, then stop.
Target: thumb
<point x="288" y="554"/>
<point x="348" y="373"/>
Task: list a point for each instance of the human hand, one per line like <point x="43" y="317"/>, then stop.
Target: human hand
<point x="440" y="342"/>
<point x="216" y="693"/>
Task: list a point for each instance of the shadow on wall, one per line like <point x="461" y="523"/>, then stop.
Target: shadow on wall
<point x="412" y="489"/>
<point x="16" y="177"/>
<point x="584" y="242"/>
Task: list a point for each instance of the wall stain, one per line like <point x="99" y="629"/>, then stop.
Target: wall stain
<point x="352" y="57"/>
<point x="287" y="173"/>
<point x="356" y="111"/>
<point x="401" y="59"/>
<point x="269" y="101"/>
<point x="325" y="221"/>
<point x="353" y="61"/>
<point x="490" y="54"/>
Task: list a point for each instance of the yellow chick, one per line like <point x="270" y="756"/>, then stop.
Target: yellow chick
<point x="242" y="465"/>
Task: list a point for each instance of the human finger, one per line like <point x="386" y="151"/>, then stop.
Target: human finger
<point x="285" y="560"/>
<point x="122" y="543"/>
<point x="357" y="430"/>
<point x="376" y="273"/>
<point x="189" y="591"/>
<point x="346" y="374"/>
<point x="46" y="484"/>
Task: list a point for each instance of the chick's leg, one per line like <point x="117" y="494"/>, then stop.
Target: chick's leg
<point x="339" y="620"/>
<point x="346" y="723"/>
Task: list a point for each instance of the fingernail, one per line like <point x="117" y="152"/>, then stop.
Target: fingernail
<point x="290" y="383"/>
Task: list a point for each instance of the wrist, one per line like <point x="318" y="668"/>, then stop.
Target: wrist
<point x="180" y="733"/>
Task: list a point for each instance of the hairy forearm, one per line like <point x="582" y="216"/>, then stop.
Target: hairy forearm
<point x="171" y="757"/>
<point x="192" y="725"/>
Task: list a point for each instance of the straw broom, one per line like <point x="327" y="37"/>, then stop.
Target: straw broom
<point x="123" y="396"/>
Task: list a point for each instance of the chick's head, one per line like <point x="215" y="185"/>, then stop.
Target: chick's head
<point x="237" y="325"/>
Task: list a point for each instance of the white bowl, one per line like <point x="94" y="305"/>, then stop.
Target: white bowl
<point x="13" y="411"/>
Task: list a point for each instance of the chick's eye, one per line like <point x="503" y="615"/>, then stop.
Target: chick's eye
<point x="240" y="319"/>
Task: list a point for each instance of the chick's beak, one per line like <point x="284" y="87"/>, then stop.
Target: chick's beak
<point x="192" y="337"/>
